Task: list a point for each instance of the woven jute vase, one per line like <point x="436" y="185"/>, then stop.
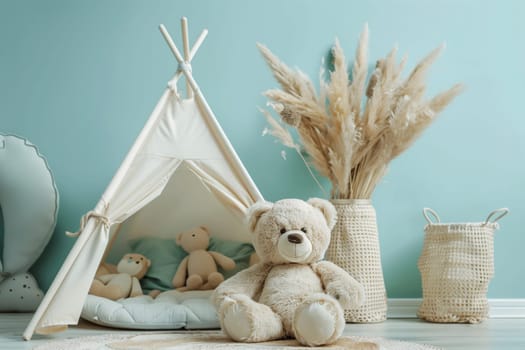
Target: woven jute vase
<point x="456" y="265"/>
<point x="354" y="246"/>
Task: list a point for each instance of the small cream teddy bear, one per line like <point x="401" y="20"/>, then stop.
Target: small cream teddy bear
<point x="125" y="282"/>
<point x="292" y="292"/>
<point x="199" y="269"/>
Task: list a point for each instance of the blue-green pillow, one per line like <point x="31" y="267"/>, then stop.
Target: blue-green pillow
<point x="166" y="255"/>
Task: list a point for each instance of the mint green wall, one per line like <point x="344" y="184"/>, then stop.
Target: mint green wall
<point x="79" y="78"/>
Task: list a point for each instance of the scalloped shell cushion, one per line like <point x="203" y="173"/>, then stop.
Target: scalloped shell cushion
<point x="28" y="200"/>
<point x="20" y="293"/>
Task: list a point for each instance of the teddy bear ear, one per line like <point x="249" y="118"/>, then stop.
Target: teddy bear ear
<point x="178" y="239"/>
<point x="256" y="211"/>
<point x="326" y="208"/>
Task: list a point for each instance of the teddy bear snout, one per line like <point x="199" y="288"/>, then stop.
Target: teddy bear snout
<point x="295" y="238"/>
<point x="294" y="246"/>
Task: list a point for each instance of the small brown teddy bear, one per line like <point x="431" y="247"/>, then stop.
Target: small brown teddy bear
<point x="292" y="292"/>
<point x="125" y="282"/>
<point x="201" y="264"/>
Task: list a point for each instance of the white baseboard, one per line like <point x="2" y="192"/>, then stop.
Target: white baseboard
<point x="499" y="308"/>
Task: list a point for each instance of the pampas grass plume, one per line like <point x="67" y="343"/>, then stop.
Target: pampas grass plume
<point x="351" y="130"/>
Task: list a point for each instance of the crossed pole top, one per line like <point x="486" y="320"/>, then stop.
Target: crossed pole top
<point x="184" y="61"/>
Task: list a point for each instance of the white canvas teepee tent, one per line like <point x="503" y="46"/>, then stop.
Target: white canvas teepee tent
<point x="181" y="172"/>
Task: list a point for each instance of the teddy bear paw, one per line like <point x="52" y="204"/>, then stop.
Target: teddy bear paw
<point x="349" y="298"/>
<point x="318" y="323"/>
<point x="194" y="282"/>
<point x="214" y="279"/>
<point x="236" y="322"/>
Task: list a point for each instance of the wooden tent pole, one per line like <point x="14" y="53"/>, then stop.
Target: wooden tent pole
<point x="230" y="153"/>
<point x="186" y="49"/>
<point x="171" y="44"/>
<point x="198" y="43"/>
<point x="193" y="51"/>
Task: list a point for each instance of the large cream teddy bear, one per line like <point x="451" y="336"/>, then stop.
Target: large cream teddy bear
<point x="124" y="282"/>
<point x="291" y="292"/>
<point x="198" y="270"/>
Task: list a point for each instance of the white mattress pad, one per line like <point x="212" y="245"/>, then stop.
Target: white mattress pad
<point x="170" y="310"/>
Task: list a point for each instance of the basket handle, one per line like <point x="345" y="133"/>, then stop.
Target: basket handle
<point x="427" y="211"/>
<point x="502" y="212"/>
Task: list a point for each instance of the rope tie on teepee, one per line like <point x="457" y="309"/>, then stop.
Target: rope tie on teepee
<point x="185" y="66"/>
<point x="83" y="221"/>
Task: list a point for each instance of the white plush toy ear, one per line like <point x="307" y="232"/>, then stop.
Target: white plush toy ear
<point x="326" y="208"/>
<point x="256" y="211"/>
<point x="205" y="229"/>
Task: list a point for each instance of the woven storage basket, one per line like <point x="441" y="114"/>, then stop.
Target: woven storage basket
<point x="354" y="246"/>
<point x="456" y="265"/>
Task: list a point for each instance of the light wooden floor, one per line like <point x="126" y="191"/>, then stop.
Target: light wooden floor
<point x="493" y="334"/>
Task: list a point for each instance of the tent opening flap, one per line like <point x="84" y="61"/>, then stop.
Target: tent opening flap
<point x="186" y="202"/>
